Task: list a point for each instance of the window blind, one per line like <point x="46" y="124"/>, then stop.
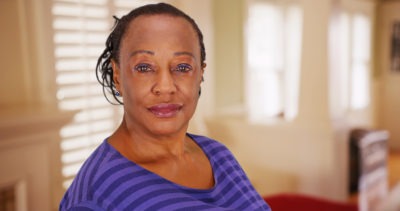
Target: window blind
<point x="350" y="55"/>
<point x="80" y="31"/>
<point x="273" y="46"/>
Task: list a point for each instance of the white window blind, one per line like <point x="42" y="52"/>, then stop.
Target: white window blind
<point x="360" y="65"/>
<point x="350" y="39"/>
<point x="80" y="31"/>
<point x="273" y="45"/>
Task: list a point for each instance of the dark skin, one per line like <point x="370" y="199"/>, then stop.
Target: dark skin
<point x="159" y="77"/>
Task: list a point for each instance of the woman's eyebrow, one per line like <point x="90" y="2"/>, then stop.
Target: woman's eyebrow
<point x="180" y="53"/>
<point x="184" y="53"/>
<point x="141" y="52"/>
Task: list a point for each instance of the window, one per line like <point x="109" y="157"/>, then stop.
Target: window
<point x="350" y="38"/>
<point x="360" y="59"/>
<point x="273" y="47"/>
<point x="80" y="30"/>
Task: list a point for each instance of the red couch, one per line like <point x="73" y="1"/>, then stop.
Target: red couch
<point x="298" y="202"/>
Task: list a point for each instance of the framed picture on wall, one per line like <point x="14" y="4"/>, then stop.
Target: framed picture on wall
<point x="395" y="48"/>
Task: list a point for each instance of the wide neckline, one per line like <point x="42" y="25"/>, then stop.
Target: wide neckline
<point x="186" y="188"/>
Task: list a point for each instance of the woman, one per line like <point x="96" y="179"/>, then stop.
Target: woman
<point x="154" y="61"/>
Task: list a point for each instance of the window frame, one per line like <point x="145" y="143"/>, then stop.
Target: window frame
<point x="289" y="74"/>
<point x="341" y="100"/>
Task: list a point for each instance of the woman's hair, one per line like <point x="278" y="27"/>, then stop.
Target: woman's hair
<point x="104" y="71"/>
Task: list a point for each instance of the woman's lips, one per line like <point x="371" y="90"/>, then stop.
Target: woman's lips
<point x="165" y="110"/>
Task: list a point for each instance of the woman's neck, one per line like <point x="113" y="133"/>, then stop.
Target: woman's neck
<point x="140" y="146"/>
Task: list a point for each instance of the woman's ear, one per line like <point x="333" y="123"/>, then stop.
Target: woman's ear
<point x="116" y="75"/>
<point x="203" y="66"/>
<point x="202" y="77"/>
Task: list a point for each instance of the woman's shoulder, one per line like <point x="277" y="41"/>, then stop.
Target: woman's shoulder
<point x="104" y="153"/>
<point x="104" y="168"/>
<point x="211" y="147"/>
<point x="205" y="141"/>
<point x="104" y="163"/>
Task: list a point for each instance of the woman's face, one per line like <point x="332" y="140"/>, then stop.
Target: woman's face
<point x="159" y="74"/>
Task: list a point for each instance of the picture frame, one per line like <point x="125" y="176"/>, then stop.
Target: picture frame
<point x="395" y="47"/>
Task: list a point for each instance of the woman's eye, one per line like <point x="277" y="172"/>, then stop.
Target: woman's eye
<point x="143" y="68"/>
<point x="183" y="68"/>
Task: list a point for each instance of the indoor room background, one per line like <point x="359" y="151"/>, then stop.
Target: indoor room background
<point x="286" y="82"/>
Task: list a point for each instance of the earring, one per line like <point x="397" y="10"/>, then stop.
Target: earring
<point x="117" y="94"/>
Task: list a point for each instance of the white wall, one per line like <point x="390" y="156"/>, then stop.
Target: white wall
<point x="27" y="55"/>
<point x="284" y="158"/>
<point x="389" y="82"/>
<point x="228" y="32"/>
<point x="12" y="90"/>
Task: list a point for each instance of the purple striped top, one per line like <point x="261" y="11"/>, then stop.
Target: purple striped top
<point x="109" y="181"/>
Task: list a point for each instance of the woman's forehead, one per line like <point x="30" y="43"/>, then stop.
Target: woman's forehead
<point x="160" y="28"/>
<point x="160" y="23"/>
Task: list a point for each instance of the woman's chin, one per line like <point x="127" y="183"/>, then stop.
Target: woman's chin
<point x="167" y="129"/>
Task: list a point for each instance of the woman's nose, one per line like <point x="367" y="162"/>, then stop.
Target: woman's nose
<point x="164" y="83"/>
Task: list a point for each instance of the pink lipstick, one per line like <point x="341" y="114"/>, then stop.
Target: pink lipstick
<point x="165" y="110"/>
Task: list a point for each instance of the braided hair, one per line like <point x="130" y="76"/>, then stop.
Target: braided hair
<point x="104" y="71"/>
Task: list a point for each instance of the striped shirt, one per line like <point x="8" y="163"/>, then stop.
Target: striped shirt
<point x="109" y="181"/>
